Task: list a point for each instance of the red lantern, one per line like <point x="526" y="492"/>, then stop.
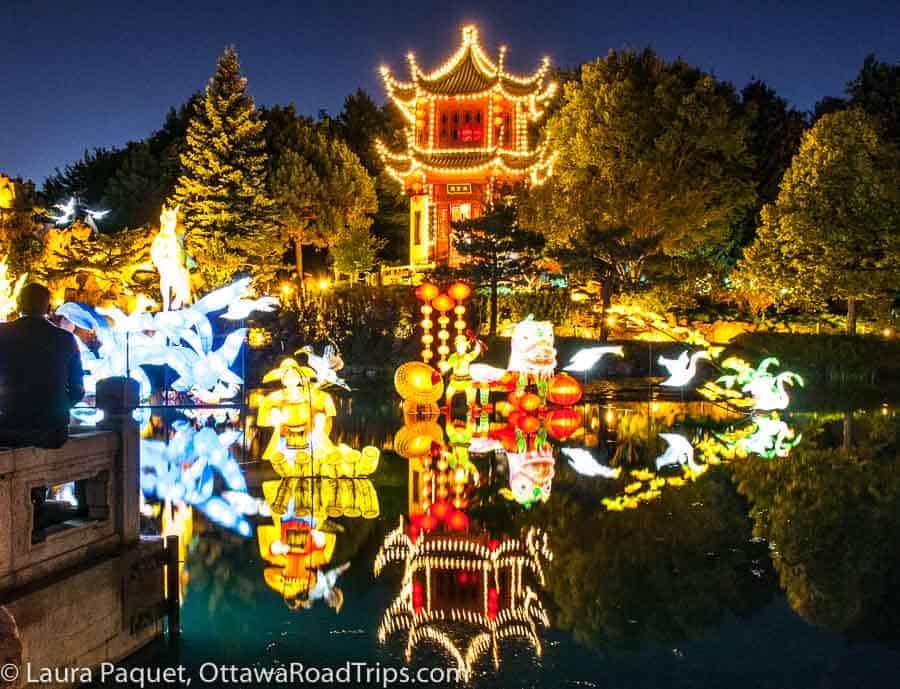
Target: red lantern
<point x="529" y="402"/>
<point x="427" y="291"/>
<point x="561" y="423"/>
<point x="459" y="291"/>
<point x="458" y="521"/>
<point x="563" y="390"/>
<point x="440" y="509"/>
<point x="442" y="303"/>
<point x="513" y="418"/>
<point x="465" y="134"/>
<point x="429" y="522"/>
<point x="529" y="424"/>
<point x="476" y="133"/>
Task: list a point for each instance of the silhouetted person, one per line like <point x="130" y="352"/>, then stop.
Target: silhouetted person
<point x="40" y="375"/>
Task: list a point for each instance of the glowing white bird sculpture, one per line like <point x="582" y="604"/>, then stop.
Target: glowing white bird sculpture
<point x="326" y="366"/>
<point x="91" y="217"/>
<point x="240" y="309"/>
<point x="68" y="212"/>
<point x="586" y="359"/>
<point x="682" y="369"/>
<point x="679" y="451"/>
<point x="583" y="462"/>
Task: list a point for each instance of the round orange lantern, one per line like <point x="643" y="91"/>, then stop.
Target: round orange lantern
<point x="458" y="521"/>
<point x="429" y="522"/>
<point x="561" y="423"/>
<point x="460" y="291"/>
<point x="529" y="402"/>
<point x="427" y="291"/>
<point x="529" y="424"/>
<point x="440" y="509"/>
<point x="563" y="390"/>
<point x="442" y="302"/>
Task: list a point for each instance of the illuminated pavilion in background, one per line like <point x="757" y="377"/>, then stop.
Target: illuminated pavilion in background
<point x="470" y="128"/>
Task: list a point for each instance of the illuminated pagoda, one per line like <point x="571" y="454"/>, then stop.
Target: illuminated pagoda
<point x="466" y="592"/>
<point x="470" y="128"/>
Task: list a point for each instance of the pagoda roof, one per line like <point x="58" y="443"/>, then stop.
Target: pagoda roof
<point x="468" y="72"/>
<point x="536" y="163"/>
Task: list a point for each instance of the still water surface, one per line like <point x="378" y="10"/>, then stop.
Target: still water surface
<point x="777" y="567"/>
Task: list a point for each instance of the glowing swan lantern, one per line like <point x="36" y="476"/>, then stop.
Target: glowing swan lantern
<point x="585" y="359"/>
<point x="582" y="461"/>
<point x="679" y="451"/>
<point x="682" y="369"/>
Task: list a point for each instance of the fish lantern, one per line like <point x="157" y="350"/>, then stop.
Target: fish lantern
<point x="419" y="383"/>
<point x="564" y="390"/>
<point x="458" y="521"/>
<point x="561" y="423"/>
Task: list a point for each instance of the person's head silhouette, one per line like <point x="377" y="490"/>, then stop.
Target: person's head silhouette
<point x="34" y="300"/>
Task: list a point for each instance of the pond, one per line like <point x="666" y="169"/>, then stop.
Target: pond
<point x="668" y="542"/>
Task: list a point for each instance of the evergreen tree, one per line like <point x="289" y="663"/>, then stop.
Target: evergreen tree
<point x="496" y="248"/>
<point x="228" y="217"/>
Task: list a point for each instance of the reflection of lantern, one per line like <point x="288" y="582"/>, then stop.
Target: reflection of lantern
<point x="440" y="510"/>
<point x="507" y="437"/>
<point x="529" y="402"/>
<point x="529" y="424"/>
<point x="561" y="423"/>
<point x="442" y="303"/>
<point x="418" y="382"/>
<point x="458" y="521"/>
<point x="564" y="390"/>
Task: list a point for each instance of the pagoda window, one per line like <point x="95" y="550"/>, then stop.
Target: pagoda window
<point x="460" y="212"/>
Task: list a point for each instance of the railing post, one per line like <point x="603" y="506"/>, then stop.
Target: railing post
<point x="118" y="398"/>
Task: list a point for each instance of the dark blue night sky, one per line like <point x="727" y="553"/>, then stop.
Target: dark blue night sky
<point x="77" y="75"/>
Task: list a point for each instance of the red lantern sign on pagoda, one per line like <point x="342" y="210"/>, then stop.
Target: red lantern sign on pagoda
<point x="469" y="130"/>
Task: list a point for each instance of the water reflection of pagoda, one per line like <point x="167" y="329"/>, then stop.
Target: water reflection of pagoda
<point x="466" y="592"/>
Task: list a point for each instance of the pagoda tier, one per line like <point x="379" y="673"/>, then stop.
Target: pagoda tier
<point x="470" y="128"/>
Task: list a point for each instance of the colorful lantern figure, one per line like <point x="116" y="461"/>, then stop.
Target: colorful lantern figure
<point x="184" y="471"/>
<point x="180" y="340"/>
<point x="419" y="384"/>
<point x="300" y="415"/>
<point x="532" y="349"/>
<point x="322" y="498"/>
<point x="766" y="390"/>
<point x="167" y="254"/>
<point x="299" y="548"/>
<point x="531" y="474"/>
<point x="468" y="348"/>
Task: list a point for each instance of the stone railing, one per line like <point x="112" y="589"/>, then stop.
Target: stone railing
<point x="106" y="461"/>
<point x="88" y="589"/>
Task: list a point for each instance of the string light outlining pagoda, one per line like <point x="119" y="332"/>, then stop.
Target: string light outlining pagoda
<point x="469" y="129"/>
